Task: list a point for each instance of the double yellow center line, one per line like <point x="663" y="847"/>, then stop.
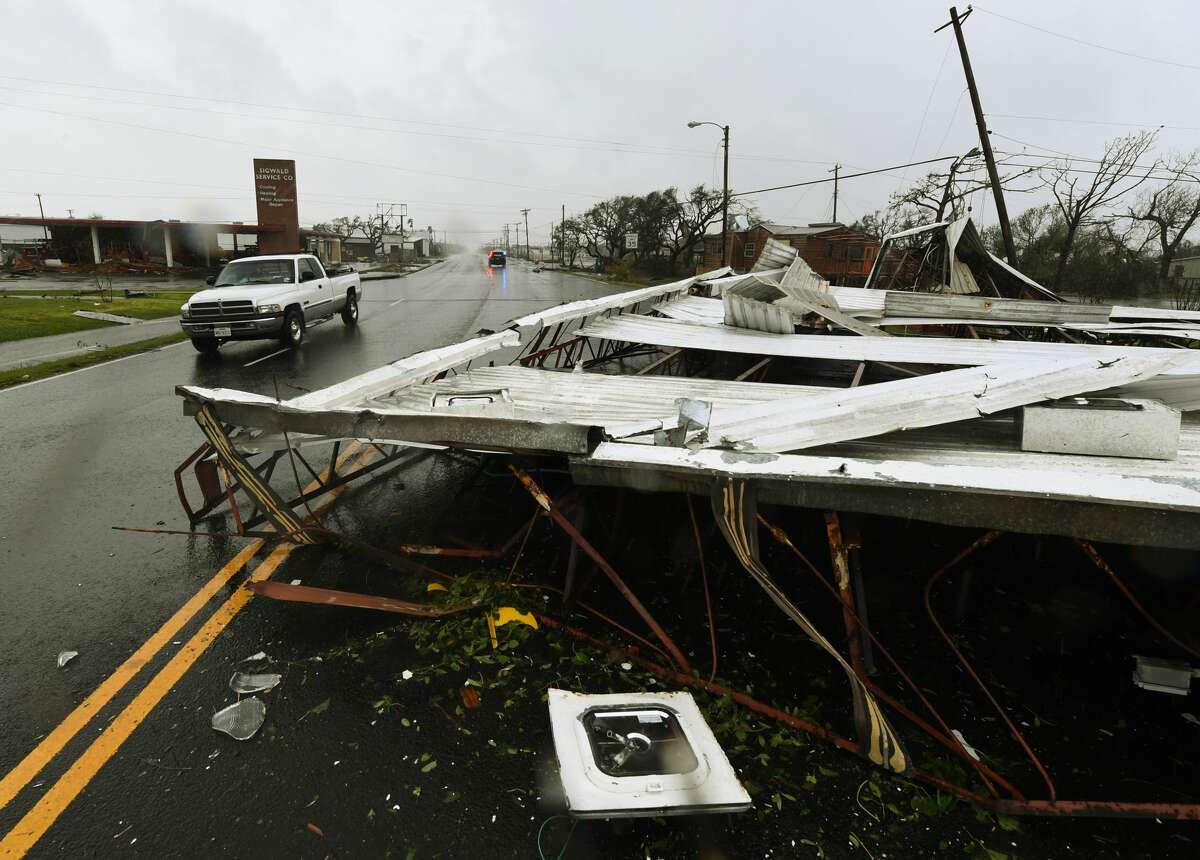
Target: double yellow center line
<point x="55" y="801"/>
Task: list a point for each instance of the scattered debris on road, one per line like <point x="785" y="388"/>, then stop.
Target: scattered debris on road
<point x="241" y="720"/>
<point x="243" y="683"/>
<point x="65" y="657"/>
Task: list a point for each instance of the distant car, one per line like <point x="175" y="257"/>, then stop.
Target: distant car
<point x="497" y="258"/>
<point x="276" y="296"/>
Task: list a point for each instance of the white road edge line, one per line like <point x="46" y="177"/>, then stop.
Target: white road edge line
<point x="265" y="357"/>
<point x="90" y="367"/>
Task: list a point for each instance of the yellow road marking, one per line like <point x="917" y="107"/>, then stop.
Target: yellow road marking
<point x="54" y="802"/>
<point x="29" y="767"/>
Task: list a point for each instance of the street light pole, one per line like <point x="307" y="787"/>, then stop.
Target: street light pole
<point x="724" y="191"/>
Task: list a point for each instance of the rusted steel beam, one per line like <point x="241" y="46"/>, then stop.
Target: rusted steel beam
<point x="985" y="774"/>
<point x="1012" y="728"/>
<point x="662" y="362"/>
<point x="351" y="599"/>
<point x="746" y="374"/>
<point x="569" y="582"/>
<point x="540" y="356"/>
<point x="712" y="629"/>
<point x="857" y="583"/>
<point x="841" y="573"/>
<point x="340" y="480"/>
<point x="1099" y="561"/>
<point x="1099" y="809"/>
<point x="543" y="500"/>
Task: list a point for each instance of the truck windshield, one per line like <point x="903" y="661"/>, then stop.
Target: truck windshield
<point x="244" y="272"/>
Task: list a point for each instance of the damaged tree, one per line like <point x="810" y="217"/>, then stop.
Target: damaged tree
<point x="1080" y="193"/>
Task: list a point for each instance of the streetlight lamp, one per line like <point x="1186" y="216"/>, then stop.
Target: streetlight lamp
<point x="724" y="192"/>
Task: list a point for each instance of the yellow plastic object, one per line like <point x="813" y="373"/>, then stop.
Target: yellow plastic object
<point x="435" y="586"/>
<point x="507" y="615"/>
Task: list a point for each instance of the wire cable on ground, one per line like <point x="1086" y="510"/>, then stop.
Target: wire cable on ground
<point x="562" y="851"/>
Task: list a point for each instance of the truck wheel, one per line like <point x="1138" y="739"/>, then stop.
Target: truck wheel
<point x="293" y="328"/>
<point x="350" y="309"/>
<point x="206" y="345"/>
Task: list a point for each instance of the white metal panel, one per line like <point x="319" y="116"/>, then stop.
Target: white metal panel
<point x="774" y="255"/>
<point x="406" y="371"/>
<point x="896" y="350"/>
<point x="694" y="309"/>
<point x="924" y="401"/>
<point x="1048" y="476"/>
<point x="592" y="398"/>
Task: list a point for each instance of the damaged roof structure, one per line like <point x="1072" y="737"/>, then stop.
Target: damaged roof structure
<point x="952" y="389"/>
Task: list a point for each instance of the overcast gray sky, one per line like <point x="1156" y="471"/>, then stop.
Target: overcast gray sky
<point x="472" y="111"/>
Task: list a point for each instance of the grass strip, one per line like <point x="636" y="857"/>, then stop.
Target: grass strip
<point x="20" y="375"/>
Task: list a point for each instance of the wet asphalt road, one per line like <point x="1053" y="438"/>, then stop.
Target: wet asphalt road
<point x="90" y="450"/>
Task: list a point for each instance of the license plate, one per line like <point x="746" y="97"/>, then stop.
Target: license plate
<point x="222" y="331"/>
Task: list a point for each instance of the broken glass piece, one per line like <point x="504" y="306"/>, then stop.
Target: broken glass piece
<point x="244" y="682"/>
<point x="241" y="720"/>
<point x="65" y="657"/>
<point x="255" y="658"/>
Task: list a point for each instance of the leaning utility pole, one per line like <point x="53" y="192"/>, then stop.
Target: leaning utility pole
<point x="45" y="232"/>
<point x="1010" y="250"/>
<point x="525" y="212"/>
<point x="835" y="170"/>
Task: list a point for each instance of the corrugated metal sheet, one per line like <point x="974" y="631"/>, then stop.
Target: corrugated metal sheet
<point x="775" y="255"/>
<point x="893" y="350"/>
<point x="592" y="398"/>
<point x="694" y="309"/>
<point x="1147" y="484"/>
<point x="754" y="314"/>
<point x="924" y="401"/>
<point x="896" y="350"/>
<point x="406" y="371"/>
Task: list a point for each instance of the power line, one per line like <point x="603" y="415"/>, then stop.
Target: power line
<point x="264" y="146"/>
<point x="1096" y="121"/>
<point x="1079" y="41"/>
<point x="845" y="176"/>
<point x="605" y="146"/>
<point x="242" y="188"/>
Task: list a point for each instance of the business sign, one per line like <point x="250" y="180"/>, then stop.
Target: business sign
<point x="275" y="196"/>
<point x="631" y="241"/>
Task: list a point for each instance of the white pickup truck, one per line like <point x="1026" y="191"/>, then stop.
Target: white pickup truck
<point x="277" y="296"/>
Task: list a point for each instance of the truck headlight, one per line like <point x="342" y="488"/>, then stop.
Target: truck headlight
<point x="185" y="312"/>
<point x="270" y="309"/>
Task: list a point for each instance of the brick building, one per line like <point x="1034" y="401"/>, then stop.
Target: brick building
<point x="840" y="255"/>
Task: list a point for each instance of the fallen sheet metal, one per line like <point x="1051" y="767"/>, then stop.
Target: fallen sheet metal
<point x="923" y="401"/>
<point x="244" y="683"/>
<point x="638" y="755"/>
<point x="241" y="720"/>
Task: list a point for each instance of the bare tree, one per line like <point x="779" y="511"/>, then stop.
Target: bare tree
<point x="1081" y="191"/>
<point x="1170" y="210"/>
<point x="940" y="196"/>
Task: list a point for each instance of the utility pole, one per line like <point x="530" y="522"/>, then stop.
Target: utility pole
<point x="525" y="212"/>
<point x="518" y="226"/>
<point x="725" y="205"/>
<point x="835" y="170"/>
<point x="984" y="143"/>
<point x="45" y="232"/>
<point x="562" y="236"/>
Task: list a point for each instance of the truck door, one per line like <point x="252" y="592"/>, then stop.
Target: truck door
<point x="315" y="289"/>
